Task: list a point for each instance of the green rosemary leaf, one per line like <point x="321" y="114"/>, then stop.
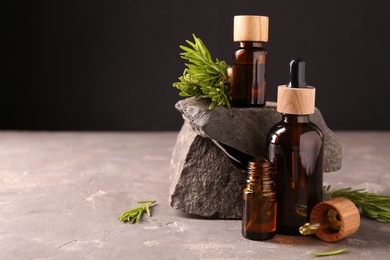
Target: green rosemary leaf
<point x="372" y="205"/>
<point x="335" y="252"/>
<point x="146" y="201"/>
<point x="148" y="210"/>
<point x="140" y="213"/>
<point x="193" y="45"/>
<point x="186" y="49"/>
<point x="212" y="104"/>
<point x="129" y="213"/>
<point x="134" y="215"/>
<point x="202" y="76"/>
<point x="385" y="209"/>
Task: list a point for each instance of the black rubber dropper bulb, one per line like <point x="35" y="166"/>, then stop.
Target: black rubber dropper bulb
<point x="297" y="74"/>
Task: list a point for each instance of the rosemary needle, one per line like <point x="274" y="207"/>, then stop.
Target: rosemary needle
<point x="335" y="252"/>
<point x="134" y="215"/>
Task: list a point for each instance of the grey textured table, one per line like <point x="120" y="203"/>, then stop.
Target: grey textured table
<point x="61" y="193"/>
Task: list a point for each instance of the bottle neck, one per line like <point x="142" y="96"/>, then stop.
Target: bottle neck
<point x="261" y="178"/>
<point x="248" y="44"/>
<point x="295" y="118"/>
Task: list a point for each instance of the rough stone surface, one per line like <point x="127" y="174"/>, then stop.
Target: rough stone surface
<point x="205" y="181"/>
<point x="245" y="129"/>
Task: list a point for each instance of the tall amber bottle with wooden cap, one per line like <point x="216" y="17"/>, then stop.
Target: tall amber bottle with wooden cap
<point x="249" y="62"/>
<point x="295" y="145"/>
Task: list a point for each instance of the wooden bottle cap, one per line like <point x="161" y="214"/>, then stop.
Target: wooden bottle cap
<point x="296" y="101"/>
<point x="250" y="28"/>
<point x="347" y="212"/>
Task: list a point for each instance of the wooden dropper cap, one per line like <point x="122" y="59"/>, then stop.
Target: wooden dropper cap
<point x="346" y="211"/>
<point x="250" y="28"/>
<point x="297" y="98"/>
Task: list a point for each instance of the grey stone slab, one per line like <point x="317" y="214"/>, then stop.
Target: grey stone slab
<point x="205" y="182"/>
<point x="61" y="194"/>
<point x="246" y="129"/>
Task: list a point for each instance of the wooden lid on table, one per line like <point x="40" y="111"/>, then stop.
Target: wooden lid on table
<point x="347" y="212"/>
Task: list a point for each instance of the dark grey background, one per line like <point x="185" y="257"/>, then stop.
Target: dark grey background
<point x="110" y="65"/>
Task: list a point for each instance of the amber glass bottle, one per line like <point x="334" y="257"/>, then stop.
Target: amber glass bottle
<point x="296" y="146"/>
<point x="259" y="210"/>
<point x="249" y="61"/>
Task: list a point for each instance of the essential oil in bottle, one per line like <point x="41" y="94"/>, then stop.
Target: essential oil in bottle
<point x="295" y="145"/>
<point x="259" y="210"/>
<point x="249" y="62"/>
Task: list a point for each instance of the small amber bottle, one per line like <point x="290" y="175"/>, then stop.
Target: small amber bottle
<point x="296" y="145"/>
<point x="249" y="62"/>
<point x="259" y="210"/>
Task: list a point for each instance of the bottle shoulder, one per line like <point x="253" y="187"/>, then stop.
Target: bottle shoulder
<point x="283" y="130"/>
<point x="306" y="126"/>
<point x="256" y="50"/>
<point x="250" y="56"/>
<point x="315" y="128"/>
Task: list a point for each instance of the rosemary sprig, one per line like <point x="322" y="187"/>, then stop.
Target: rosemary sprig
<point x="203" y="77"/>
<point x="134" y="215"/>
<point x="335" y="252"/>
<point x="372" y="205"/>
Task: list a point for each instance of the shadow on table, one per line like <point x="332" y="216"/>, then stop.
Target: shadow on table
<point x="191" y="216"/>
